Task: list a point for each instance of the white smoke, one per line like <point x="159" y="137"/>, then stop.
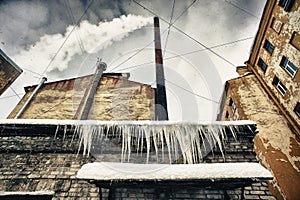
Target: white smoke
<point x="93" y="38"/>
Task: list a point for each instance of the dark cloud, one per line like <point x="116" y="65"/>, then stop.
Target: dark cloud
<point x="24" y="22"/>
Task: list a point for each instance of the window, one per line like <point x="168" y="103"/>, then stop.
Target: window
<point x="279" y="85"/>
<point x="276" y="25"/>
<point x="295" y="40"/>
<point x="227" y="116"/>
<point x="288" y="66"/>
<point x="262" y="64"/>
<point x="286" y="4"/>
<point x="297" y="109"/>
<point x="269" y="46"/>
<point x="232" y="105"/>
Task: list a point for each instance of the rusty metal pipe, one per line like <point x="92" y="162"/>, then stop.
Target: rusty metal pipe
<point x="44" y="79"/>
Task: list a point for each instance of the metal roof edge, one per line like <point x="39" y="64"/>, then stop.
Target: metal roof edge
<point x="10" y="61"/>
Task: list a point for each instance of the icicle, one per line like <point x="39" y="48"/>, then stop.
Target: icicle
<point x="148" y="143"/>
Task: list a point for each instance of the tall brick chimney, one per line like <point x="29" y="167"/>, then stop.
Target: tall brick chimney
<point x="161" y="109"/>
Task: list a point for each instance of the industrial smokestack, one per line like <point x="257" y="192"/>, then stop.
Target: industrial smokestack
<point x="161" y="109"/>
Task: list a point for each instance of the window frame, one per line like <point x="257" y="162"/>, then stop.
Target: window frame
<point x="288" y="66"/>
<point x="297" y="109"/>
<point x="279" y="86"/>
<point x="232" y="105"/>
<point x="262" y="64"/>
<point x="286" y="4"/>
<point x="269" y="47"/>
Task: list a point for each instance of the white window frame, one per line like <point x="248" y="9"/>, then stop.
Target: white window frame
<point x="281" y="88"/>
<point x="288" y="66"/>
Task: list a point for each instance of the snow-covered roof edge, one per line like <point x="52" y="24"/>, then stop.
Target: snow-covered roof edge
<point x="97" y="122"/>
<point x="107" y="171"/>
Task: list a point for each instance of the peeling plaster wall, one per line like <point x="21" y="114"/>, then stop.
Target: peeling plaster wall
<point x="280" y="34"/>
<point x="116" y="99"/>
<point x="276" y="146"/>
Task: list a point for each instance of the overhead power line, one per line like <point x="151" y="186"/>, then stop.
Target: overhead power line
<point x="16" y="94"/>
<point x="242" y="9"/>
<point x="61" y="46"/>
<point x="187" y="35"/>
<point x="171" y="24"/>
<point x="189" y="91"/>
<point x="171" y="18"/>
<point x="80" y="43"/>
<point x="188" y="53"/>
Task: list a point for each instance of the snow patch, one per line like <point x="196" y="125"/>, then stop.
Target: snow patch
<point x="127" y="171"/>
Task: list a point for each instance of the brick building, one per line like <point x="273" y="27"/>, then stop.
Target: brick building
<point x="268" y="92"/>
<point x="9" y="71"/>
<point x="41" y="152"/>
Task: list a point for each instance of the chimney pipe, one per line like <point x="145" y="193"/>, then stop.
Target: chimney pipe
<point x="161" y="109"/>
<point x="89" y="100"/>
<point x="43" y="80"/>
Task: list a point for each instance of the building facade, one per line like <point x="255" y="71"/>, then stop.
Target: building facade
<point x="9" y="71"/>
<point x="275" y="57"/>
<point x="268" y="92"/>
<point x="116" y="98"/>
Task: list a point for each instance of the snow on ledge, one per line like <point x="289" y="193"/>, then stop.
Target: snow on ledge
<point x="106" y="171"/>
<point x="98" y="122"/>
<point x="23" y="193"/>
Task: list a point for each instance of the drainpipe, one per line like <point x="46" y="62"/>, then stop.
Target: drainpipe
<point x="90" y="98"/>
<point x="30" y="98"/>
<point x="161" y="109"/>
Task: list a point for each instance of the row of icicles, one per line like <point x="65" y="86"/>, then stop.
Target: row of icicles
<point x="187" y="141"/>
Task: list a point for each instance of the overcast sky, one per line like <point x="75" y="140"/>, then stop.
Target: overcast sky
<point x="41" y="38"/>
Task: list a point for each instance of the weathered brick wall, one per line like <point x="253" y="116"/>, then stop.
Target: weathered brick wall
<point x="116" y="98"/>
<point x="45" y="162"/>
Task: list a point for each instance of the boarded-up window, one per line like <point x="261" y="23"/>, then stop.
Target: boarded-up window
<point x="295" y="40"/>
<point x="276" y="25"/>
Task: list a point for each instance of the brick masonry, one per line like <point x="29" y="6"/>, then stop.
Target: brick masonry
<point x="48" y="163"/>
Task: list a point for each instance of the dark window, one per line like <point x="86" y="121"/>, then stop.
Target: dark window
<point x="279" y="85"/>
<point x="297" y="109"/>
<point x="288" y="66"/>
<point x="232" y="105"/>
<point x="262" y="64"/>
<point x="269" y="46"/>
<point x="286" y="4"/>
<point x="227" y="116"/>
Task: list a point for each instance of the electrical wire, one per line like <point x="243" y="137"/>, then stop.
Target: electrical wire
<point x="198" y="95"/>
<point x="171" y="24"/>
<point x="187" y="35"/>
<point x="80" y="43"/>
<point x="61" y="46"/>
<point x="249" y="13"/>
<point x="191" y="52"/>
<point x="6" y="97"/>
<point x="16" y="94"/>
<point x="169" y="28"/>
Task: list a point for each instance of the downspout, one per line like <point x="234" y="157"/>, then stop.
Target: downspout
<point x="30" y="98"/>
<point x="90" y="98"/>
<point x="161" y="109"/>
